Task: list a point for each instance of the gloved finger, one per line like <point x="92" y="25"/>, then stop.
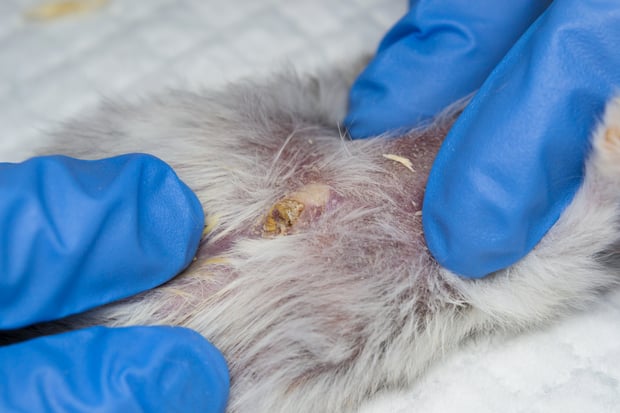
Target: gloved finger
<point x="439" y="52"/>
<point x="514" y="159"/>
<point x="135" y="369"/>
<point x="78" y="234"/>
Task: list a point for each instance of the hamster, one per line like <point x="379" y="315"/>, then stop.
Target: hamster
<point x="313" y="277"/>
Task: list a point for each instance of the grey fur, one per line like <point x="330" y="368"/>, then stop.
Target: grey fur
<point x="347" y="300"/>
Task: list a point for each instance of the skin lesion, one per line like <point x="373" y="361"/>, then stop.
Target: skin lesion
<point x="282" y="216"/>
<point x="305" y="204"/>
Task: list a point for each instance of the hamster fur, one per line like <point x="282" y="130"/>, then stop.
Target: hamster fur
<point x="313" y="278"/>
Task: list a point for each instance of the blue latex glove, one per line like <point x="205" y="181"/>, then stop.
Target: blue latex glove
<point x="78" y="234"/>
<point x="514" y="159"/>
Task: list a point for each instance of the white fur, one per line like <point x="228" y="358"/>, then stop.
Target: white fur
<point x="350" y="302"/>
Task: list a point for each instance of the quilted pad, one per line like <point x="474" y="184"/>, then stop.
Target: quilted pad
<point x="55" y="63"/>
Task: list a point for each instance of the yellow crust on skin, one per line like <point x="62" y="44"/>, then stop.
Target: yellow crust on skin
<point x="286" y="212"/>
<point x="282" y="216"/>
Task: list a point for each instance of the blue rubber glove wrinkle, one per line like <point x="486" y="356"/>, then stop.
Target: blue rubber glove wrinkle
<point x="135" y="369"/>
<point x="514" y="159"/>
<point x="439" y="52"/>
<point x="77" y="234"/>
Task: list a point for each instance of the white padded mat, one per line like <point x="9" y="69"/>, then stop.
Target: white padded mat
<point x="53" y="69"/>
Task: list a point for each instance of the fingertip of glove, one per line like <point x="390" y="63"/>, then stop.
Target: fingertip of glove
<point x="389" y="98"/>
<point x="203" y="379"/>
<point x="154" y="369"/>
<point x="167" y="369"/>
<point x="371" y="113"/>
<point x="461" y="260"/>
<point x="358" y="119"/>
<point x="170" y="204"/>
<point x="457" y="238"/>
<point x="475" y="231"/>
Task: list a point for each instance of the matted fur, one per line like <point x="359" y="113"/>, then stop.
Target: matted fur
<point x="348" y="301"/>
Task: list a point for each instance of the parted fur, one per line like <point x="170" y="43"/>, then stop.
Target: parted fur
<point x="347" y="301"/>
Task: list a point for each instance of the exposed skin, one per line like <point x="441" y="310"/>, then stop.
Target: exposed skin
<point x="313" y="277"/>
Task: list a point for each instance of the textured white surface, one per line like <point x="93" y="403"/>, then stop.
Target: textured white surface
<point x="53" y="70"/>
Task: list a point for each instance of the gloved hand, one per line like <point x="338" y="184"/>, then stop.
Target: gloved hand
<point x="514" y="159"/>
<point x="79" y="234"/>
